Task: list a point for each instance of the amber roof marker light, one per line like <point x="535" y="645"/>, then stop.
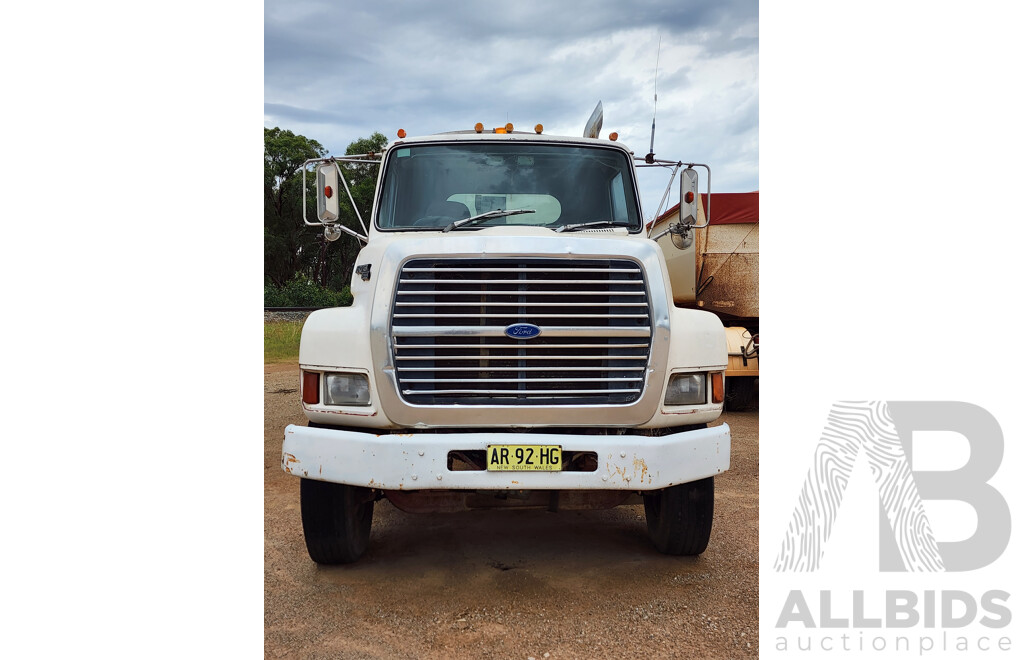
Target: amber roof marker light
<point x="401" y="132"/>
<point x="538" y="129"/>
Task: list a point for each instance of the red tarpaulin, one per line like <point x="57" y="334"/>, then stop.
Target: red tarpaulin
<point x="726" y="208"/>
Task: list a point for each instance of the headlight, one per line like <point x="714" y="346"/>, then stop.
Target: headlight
<point x="686" y="390"/>
<point x="346" y="390"/>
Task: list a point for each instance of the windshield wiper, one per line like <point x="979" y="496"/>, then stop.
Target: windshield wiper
<point x="484" y="216"/>
<point x="584" y="225"/>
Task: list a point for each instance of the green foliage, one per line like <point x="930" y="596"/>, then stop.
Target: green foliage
<point x="300" y="292"/>
<point x="287" y="242"/>
<point x="281" y="341"/>
<point x="290" y="248"/>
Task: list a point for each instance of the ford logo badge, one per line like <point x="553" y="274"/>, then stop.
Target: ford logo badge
<point x="522" y="331"/>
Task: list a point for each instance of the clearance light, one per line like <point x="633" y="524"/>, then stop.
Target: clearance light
<point x="508" y="127"/>
<point x="328" y="192"/>
<point x="310" y="387"/>
<point x="538" y="129"/>
<point x="689" y="197"/>
<point x="717" y="387"/>
<point x="479" y="128"/>
<point x="613" y="137"/>
<point x="499" y="130"/>
<point x="401" y="132"/>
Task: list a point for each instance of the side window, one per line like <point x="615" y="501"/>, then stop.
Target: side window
<point x="618" y="199"/>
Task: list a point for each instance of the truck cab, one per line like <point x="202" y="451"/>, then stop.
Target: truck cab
<point x="512" y="342"/>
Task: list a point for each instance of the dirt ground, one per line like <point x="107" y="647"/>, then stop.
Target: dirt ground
<point x="509" y="584"/>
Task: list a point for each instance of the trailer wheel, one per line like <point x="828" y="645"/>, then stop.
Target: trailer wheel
<point x="335" y="520"/>
<point x="679" y="517"/>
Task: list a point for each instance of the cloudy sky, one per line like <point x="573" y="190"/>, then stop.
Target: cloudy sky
<point x="336" y="72"/>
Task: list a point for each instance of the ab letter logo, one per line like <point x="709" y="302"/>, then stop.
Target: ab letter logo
<point x="883" y="431"/>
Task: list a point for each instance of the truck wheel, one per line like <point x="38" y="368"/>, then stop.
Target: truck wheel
<point x="335" y="520"/>
<point x="679" y="517"/>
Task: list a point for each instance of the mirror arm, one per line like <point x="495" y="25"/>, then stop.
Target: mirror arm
<point x="675" y="171"/>
<point x="678" y="229"/>
<point x="341" y="175"/>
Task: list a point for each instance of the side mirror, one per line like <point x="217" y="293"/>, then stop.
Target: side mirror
<point x="327" y="208"/>
<point x="688" y="197"/>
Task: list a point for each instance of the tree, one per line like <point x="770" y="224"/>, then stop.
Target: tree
<point x="288" y="245"/>
<point x="291" y="248"/>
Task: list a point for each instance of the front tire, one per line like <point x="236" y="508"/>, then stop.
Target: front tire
<point x="336" y="520"/>
<point x="679" y="517"/>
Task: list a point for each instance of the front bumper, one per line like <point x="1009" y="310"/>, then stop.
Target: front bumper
<point x="419" y="461"/>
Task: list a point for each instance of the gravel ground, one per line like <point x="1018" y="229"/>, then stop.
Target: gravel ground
<point x="509" y="584"/>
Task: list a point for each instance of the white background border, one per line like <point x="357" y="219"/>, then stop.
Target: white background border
<point x="891" y="167"/>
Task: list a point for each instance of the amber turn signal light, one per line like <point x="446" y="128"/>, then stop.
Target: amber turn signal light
<point x="717" y="387"/>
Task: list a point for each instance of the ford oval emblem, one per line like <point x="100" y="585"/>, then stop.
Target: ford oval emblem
<point x="522" y="331"/>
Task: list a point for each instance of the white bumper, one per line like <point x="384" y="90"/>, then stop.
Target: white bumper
<point x="418" y="461"/>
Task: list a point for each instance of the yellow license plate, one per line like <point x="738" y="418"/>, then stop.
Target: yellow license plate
<point x="524" y="457"/>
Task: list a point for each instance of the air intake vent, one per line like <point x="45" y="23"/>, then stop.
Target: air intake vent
<point x="449" y="324"/>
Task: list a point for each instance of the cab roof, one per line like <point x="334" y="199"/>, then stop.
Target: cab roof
<point x="515" y="136"/>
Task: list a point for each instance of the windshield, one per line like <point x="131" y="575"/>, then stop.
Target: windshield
<point x="428" y="187"/>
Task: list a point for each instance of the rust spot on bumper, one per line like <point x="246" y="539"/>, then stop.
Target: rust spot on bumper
<point x="641" y="465"/>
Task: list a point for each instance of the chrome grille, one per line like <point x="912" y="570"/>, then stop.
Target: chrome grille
<point x="448" y="331"/>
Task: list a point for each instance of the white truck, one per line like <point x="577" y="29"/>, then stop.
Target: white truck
<point x="512" y="342"/>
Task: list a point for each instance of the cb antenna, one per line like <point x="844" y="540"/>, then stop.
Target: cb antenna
<point x="649" y="159"/>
